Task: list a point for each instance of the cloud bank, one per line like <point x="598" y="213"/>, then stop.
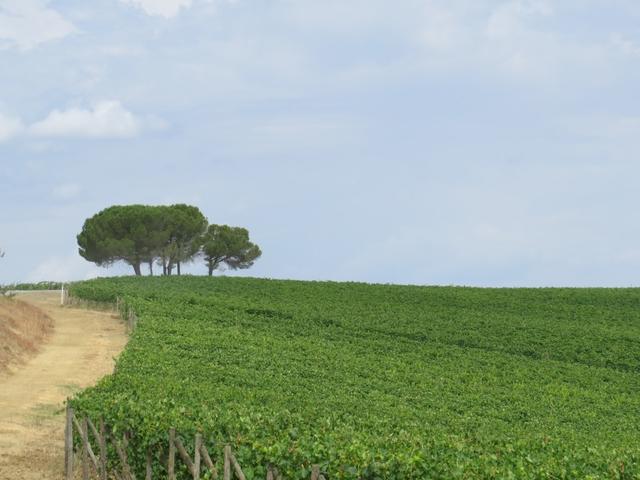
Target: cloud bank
<point x="25" y="24"/>
<point x="487" y="142"/>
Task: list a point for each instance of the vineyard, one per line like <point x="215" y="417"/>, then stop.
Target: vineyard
<point x="376" y="381"/>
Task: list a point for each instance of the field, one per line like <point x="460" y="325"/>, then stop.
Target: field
<point x="30" y="286"/>
<point x="379" y="381"/>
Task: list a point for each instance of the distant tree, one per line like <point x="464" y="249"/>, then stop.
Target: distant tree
<point x="128" y="233"/>
<point x="142" y="234"/>
<point x="165" y="256"/>
<point x="227" y="245"/>
<point x="1" y="253"/>
<point x="185" y="226"/>
<point x="109" y="236"/>
<point x="157" y="234"/>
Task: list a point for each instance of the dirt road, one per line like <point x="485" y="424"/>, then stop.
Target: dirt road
<point x="79" y="352"/>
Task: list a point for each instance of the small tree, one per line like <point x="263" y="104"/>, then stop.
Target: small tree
<point x="222" y="244"/>
<point x="1" y="253"/>
<point x="157" y="235"/>
<point x="185" y="225"/>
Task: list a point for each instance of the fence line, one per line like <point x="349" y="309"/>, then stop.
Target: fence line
<point x="121" y="308"/>
<point x="95" y="465"/>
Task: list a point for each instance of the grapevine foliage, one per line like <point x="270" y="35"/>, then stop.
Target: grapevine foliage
<point x="378" y="381"/>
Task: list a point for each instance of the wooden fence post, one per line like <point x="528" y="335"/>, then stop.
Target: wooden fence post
<point x="207" y="461"/>
<point x="68" y="444"/>
<point x="236" y="466"/>
<point x="149" y="472"/>
<point x="315" y="473"/>
<point x="84" y="433"/>
<point x="172" y="454"/>
<point x="196" y="457"/>
<point x="87" y="451"/>
<point x="122" y="453"/>
<point x="184" y="455"/>
<point x="102" y="442"/>
<point x="227" y="463"/>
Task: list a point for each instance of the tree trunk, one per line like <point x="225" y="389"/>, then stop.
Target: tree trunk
<point x="178" y="265"/>
<point x="151" y="268"/>
<point x="164" y="267"/>
<point x="136" y="269"/>
<point x="170" y="268"/>
<point x="212" y="263"/>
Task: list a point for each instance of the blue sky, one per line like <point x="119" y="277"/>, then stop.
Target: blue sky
<point x="475" y="142"/>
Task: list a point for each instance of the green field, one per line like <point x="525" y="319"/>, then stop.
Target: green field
<point x="31" y="286"/>
<point x="380" y="381"/>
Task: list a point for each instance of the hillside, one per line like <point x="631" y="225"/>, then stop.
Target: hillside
<point x="23" y="328"/>
<point x="380" y="381"/>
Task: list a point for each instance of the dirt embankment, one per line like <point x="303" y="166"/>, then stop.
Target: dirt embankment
<point x="23" y="329"/>
<point x="78" y="352"/>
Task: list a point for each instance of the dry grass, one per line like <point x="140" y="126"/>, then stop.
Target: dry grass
<point x="76" y="354"/>
<point x="23" y="328"/>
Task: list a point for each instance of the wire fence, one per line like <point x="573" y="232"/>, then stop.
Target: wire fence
<point x="87" y="446"/>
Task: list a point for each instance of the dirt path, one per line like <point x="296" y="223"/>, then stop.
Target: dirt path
<point x="79" y="352"/>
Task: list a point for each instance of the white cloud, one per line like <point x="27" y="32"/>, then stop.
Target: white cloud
<point x="107" y="119"/>
<point x="162" y="8"/>
<point x="9" y="127"/>
<point x="26" y="24"/>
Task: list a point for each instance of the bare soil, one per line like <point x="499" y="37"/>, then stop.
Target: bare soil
<point x="23" y="328"/>
<point x="80" y="350"/>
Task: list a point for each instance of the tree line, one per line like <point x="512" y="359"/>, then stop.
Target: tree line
<point x="166" y="236"/>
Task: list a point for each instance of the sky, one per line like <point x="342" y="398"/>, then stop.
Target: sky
<point x="440" y="142"/>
